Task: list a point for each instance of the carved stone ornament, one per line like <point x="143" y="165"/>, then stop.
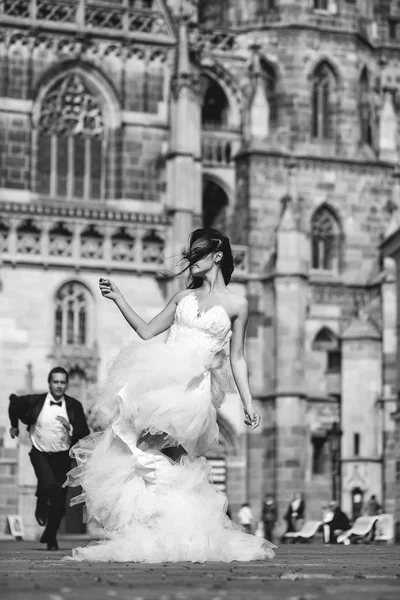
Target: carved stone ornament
<point x="60" y="241"/>
<point x="152" y="248"/>
<point x="91" y="243"/>
<point x="70" y="109"/>
<point x="28" y="238"/>
<point x="4" y="231"/>
<point x="191" y="81"/>
<point x="123" y="246"/>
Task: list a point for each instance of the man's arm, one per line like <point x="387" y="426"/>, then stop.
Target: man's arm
<point x="17" y="411"/>
<point x="80" y="428"/>
<point x="14" y="411"/>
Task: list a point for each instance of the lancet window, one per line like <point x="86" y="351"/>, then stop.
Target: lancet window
<point x="71" y="315"/>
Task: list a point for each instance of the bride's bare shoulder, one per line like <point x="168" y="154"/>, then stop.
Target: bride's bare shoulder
<point x="176" y="298"/>
<point x="238" y="303"/>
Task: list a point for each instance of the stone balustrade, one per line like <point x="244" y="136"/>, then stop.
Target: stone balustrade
<point x="94" y="238"/>
<point x="218" y="150"/>
<point x="127" y="17"/>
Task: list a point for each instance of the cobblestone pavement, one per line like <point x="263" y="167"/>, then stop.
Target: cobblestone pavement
<point x="298" y="572"/>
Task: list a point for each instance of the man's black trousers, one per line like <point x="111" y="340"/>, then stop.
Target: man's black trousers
<point x="51" y="469"/>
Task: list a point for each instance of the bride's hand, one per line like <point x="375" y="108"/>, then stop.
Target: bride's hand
<point x="251" y="417"/>
<point x="109" y="290"/>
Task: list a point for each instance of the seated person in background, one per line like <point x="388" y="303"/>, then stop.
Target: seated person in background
<point x="335" y="523"/>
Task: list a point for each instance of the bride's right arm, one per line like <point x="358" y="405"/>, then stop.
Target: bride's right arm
<point x="146" y="331"/>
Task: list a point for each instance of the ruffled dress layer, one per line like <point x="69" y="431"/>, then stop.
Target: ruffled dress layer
<point x="159" y="395"/>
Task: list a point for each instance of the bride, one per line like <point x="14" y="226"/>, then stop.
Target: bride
<point x="143" y="477"/>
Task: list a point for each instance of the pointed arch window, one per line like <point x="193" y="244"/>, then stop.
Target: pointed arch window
<point x="71" y="142"/>
<point x="365" y="109"/>
<point x="325" y="241"/>
<point x="215" y="108"/>
<point x="323" y="102"/>
<point x="269" y="77"/>
<point x="71" y="315"/>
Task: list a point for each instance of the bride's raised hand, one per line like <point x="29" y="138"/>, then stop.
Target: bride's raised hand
<point x="109" y="290"/>
<point x="251" y="417"/>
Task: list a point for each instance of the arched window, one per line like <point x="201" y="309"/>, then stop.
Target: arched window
<point x="323" y="102"/>
<point x="215" y="203"/>
<point x="365" y="109"/>
<point x="269" y="76"/>
<point x="215" y="109"/>
<point x="71" y="315"/>
<point x="325" y="340"/>
<point x="325" y="240"/>
<point x="71" y="157"/>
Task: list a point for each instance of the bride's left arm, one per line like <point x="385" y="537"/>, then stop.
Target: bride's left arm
<point x="239" y="365"/>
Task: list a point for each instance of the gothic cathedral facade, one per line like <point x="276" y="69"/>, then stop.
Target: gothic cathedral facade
<point x="125" y="124"/>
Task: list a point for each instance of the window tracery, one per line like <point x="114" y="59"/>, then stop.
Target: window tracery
<point x="323" y="102"/>
<point x="71" y="315"/>
<point x="70" y="141"/>
<point x="325" y="236"/>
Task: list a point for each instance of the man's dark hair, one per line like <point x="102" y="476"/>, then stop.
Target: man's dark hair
<point x="57" y="370"/>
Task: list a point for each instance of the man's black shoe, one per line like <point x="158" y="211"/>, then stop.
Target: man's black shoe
<point x="52" y="545"/>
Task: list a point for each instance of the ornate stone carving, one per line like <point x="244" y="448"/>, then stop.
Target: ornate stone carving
<point x="91" y="243"/>
<point x="28" y="238"/>
<point x="17" y="8"/>
<point x="70" y="108"/>
<point x="60" y="240"/>
<point x="220" y="41"/>
<point x="123" y="246"/>
<point x="60" y="11"/>
<point x="84" y="359"/>
<point x="4" y="232"/>
<point x="76" y="212"/>
<point x="104" y="17"/>
<point x="152" y="248"/>
<point x="340" y="295"/>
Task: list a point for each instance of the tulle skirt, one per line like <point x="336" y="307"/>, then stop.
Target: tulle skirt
<point x="150" y="508"/>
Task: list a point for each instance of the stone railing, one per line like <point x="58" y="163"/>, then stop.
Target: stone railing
<point x="84" y="237"/>
<point x="218" y="149"/>
<point x="127" y="17"/>
<point x="93" y="238"/>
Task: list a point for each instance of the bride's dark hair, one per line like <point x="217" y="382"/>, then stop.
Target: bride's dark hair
<point x="208" y="240"/>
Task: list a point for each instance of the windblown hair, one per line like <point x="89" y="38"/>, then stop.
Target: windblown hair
<point x="207" y="241"/>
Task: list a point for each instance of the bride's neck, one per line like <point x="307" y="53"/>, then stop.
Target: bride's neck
<point x="213" y="283"/>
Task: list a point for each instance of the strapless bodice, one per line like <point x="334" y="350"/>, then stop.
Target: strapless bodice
<point x="209" y="329"/>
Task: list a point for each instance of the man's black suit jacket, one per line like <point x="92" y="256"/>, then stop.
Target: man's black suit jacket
<point x="27" y="408"/>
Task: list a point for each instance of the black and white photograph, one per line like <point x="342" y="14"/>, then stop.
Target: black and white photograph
<point x="199" y="299"/>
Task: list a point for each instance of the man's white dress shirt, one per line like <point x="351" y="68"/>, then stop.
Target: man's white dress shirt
<point x="48" y="434"/>
<point x="245" y="515"/>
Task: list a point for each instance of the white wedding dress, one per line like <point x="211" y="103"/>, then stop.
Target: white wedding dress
<point x="158" y="395"/>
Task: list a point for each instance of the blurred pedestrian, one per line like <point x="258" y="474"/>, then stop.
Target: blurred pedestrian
<point x="245" y="517"/>
<point x="55" y="422"/>
<point x="336" y="522"/>
<point x="269" y="516"/>
<point x="295" y="513"/>
<point x="373" y="507"/>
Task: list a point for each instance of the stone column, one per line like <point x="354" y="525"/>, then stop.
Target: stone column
<point x="361" y="389"/>
<point x="291" y="297"/>
<point x="184" y="156"/>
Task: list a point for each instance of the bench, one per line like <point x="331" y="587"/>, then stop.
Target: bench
<point x="306" y="533"/>
<point x="363" y="529"/>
